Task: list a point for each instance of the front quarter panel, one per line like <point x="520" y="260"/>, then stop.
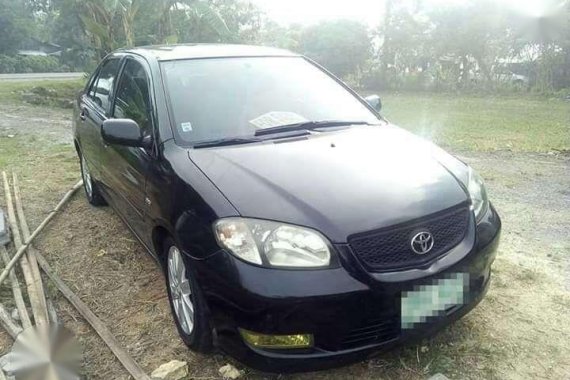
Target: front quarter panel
<point x="184" y="202"/>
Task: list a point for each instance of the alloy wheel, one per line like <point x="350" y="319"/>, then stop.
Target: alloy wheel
<point x="180" y="290"/>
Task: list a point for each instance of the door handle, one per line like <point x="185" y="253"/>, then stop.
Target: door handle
<point x="84" y="113"/>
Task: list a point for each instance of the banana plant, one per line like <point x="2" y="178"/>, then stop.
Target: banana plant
<point x="111" y="23"/>
<point x="108" y="20"/>
<point x="191" y="11"/>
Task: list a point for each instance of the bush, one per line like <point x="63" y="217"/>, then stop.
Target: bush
<point x="30" y="64"/>
<point x="40" y="64"/>
<point x="52" y="94"/>
<point x="563" y="94"/>
<point x="8" y="64"/>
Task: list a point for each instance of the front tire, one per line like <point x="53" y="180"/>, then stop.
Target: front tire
<point x="187" y="303"/>
<point x="92" y="193"/>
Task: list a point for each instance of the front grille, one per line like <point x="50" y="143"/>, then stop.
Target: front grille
<point x="390" y="248"/>
<point x="372" y="332"/>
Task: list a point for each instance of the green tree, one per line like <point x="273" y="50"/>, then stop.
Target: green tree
<point x="342" y="46"/>
<point x="473" y="36"/>
<point x="16" y="24"/>
<point x="546" y="40"/>
<point x="404" y="47"/>
<point x="109" y="23"/>
<point x="244" y="21"/>
<point x="275" y="35"/>
<point x="181" y="21"/>
<point x="115" y="23"/>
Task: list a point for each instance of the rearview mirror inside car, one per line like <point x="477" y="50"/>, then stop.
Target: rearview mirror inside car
<point x="374" y="101"/>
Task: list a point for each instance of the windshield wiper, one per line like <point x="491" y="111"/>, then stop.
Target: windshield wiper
<point x="305" y="126"/>
<point x="225" y="141"/>
<point x="308" y="125"/>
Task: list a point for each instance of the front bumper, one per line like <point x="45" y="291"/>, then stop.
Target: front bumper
<point x="352" y="314"/>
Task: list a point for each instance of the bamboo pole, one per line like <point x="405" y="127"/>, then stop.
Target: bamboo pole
<point x="16" y="291"/>
<point x="126" y="360"/>
<point x="52" y="312"/>
<point x="24" y="264"/>
<point x="6" y="321"/>
<point x="41" y="316"/>
<point x="25" y="246"/>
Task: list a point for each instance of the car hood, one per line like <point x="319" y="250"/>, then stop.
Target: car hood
<point x="340" y="183"/>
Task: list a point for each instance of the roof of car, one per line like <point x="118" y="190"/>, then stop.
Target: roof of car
<point x="191" y="51"/>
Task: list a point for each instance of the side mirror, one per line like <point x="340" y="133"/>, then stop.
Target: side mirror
<point x="123" y="132"/>
<point x="374" y="101"/>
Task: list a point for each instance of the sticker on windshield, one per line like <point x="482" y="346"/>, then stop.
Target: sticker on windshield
<point x="186" y="127"/>
<point x="276" y="118"/>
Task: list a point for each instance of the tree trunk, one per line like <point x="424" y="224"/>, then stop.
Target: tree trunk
<point x="388" y="55"/>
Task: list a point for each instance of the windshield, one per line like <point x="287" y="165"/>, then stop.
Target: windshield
<point x="224" y="98"/>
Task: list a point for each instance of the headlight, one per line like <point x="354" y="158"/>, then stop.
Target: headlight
<point x="273" y="244"/>
<point x="478" y="194"/>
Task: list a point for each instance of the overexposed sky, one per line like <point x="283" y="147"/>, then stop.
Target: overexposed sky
<point x="312" y="11"/>
<point x="287" y="12"/>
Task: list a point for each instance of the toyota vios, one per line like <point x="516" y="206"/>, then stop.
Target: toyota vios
<point x="297" y="228"/>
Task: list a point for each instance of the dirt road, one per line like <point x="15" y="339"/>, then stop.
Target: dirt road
<point x="520" y="330"/>
<point x="32" y="122"/>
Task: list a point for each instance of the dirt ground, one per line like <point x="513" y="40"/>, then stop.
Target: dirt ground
<point x="520" y="330"/>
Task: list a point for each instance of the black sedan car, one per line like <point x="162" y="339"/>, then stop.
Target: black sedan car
<point x="298" y="229"/>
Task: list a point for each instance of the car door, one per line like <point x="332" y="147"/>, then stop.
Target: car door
<point x="125" y="168"/>
<point x="93" y="110"/>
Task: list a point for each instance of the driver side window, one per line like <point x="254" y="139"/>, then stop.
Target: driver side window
<point x="132" y="100"/>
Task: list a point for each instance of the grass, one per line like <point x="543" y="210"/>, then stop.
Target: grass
<point x="462" y="122"/>
<point x="11" y="91"/>
<point x="520" y="124"/>
<point x="38" y="158"/>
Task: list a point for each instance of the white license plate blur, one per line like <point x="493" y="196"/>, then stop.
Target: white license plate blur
<point x="432" y="300"/>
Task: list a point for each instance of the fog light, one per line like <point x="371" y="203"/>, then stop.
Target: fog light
<point x="277" y="341"/>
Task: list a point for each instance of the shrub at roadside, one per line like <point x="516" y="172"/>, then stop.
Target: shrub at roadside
<point x="59" y="96"/>
<point x="30" y="64"/>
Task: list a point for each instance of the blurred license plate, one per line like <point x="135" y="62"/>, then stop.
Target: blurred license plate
<point x="433" y="299"/>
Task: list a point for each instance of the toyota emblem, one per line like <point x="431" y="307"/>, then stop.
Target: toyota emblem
<point x="422" y="242"/>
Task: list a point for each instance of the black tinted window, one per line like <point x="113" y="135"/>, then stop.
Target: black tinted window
<point x="132" y="100"/>
<point x="103" y="84"/>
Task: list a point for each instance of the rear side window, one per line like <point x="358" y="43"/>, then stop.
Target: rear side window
<point x="132" y="100"/>
<point x="103" y="85"/>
